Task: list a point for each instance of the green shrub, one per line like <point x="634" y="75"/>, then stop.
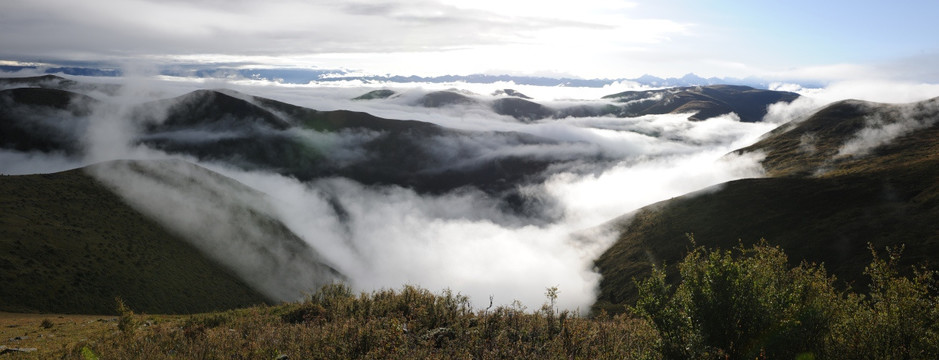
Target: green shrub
<point x="749" y="303"/>
<point x="127" y="322"/>
<point x="740" y="304"/>
<point x="899" y="319"/>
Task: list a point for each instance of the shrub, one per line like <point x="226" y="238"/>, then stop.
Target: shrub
<point x="899" y="319"/>
<point x="127" y="322"/>
<point x="748" y="303"/>
<point x="738" y="304"/>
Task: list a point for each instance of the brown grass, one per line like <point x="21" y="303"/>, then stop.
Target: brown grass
<point x="65" y="332"/>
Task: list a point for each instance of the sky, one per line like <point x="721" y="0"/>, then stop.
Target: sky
<point x="797" y="40"/>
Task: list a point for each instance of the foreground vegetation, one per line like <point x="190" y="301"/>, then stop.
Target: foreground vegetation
<point x="741" y="304"/>
<point x="748" y="303"/>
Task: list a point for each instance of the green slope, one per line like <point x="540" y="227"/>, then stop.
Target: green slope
<point x="69" y="245"/>
<point x="813" y="146"/>
<point x="887" y="197"/>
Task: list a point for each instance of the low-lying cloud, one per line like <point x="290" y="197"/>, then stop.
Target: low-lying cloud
<point x="889" y="124"/>
<point x="383" y="236"/>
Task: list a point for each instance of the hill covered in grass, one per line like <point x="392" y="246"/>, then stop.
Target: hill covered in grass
<point x="821" y="203"/>
<point x="68" y="244"/>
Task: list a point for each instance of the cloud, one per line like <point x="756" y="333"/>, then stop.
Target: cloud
<point x="881" y="91"/>
<point x="140" y="27"/>
<point x="395" y="236"/>
<point x="886" y="125"/>
<point x="462" y="240"/>
<point x="386" y="236"/>
<point x="225" y="220"/>
<point x="401" y="36"/>
<point x="916" y="68"/>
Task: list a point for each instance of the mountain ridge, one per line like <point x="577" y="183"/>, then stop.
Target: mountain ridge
<point x="886" y="197"/>
<point x="701" y="102"/>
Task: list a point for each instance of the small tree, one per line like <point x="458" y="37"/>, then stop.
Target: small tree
<point x="127" y="322"/>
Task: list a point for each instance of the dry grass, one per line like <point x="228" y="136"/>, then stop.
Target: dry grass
<point x="390" y="324"/>
<point x="58" y="334"/>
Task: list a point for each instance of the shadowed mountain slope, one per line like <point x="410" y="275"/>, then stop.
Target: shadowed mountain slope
<point x="166" y="236"/>
<point x="512" y="93"/>
<point x="445" y="98"/>
<point x="57" y="82"/>
<point x="703" y="101"/>
<point x="70" y="245"/>
<point x="376" y="94"/>
<point x="886" y="195"/>
<point x="258" y="133"/>
<point x="44" y="81"/>
<point x="521" y="109"/>
<point x="516" y="105"/>
<point x="227" y="221"/>
<point x="43" y="119"/>
<point x="254" y="133"/>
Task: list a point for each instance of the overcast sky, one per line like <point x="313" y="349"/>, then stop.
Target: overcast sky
<point x="827" y="40"/>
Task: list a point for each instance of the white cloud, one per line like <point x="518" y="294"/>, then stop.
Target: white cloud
<point x="881" y="91"/>
<point x="886" y="125"/>
<point x="418" y="36"/>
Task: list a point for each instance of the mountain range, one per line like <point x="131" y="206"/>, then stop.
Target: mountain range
<point x="848" y="174"/>
<point x="701" y="102"/>
<point x="305" y="76"/>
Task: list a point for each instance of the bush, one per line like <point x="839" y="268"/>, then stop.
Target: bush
<point x="898" y="320"/>
<point x="748" y="303"/>
<point x="127" y="322"/>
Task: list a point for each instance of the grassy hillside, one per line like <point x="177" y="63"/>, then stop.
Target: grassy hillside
<point x="820" y="207"/>
<point x="69" y="245"/>
<point x="813" y="146"/>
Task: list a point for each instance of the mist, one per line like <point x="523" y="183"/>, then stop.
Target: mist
<point x="385" y="236"/>
<point x="885" y="126"/>
<point x="865" y="90"/>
